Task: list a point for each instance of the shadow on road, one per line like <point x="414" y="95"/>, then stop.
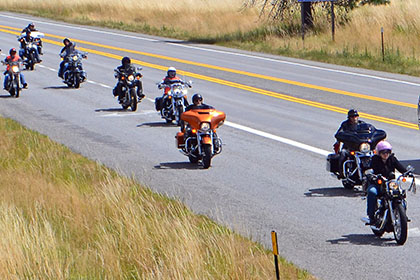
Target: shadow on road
<point x="178" y="165"/>
<point x="157" y="124"/>
<point x="414" y="163"/>
<point x="333" y="192"/>
<point x="7" y="96"/>
<point x="58" y="87"/>
<point x="364" y="239"/>
<point x="111" y="110"/>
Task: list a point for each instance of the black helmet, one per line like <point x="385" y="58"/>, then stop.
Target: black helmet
<point x="66" y="39"/>
<point x="31" y="25"/>
<point x="12" y="51"/>
<point x="352" y="113"/>
<point x="125" y="60"/>
<point x="197" y="97"/>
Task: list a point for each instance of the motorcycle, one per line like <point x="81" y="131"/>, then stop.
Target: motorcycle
<point x="13" y="86"/>
<point x="418" y="112"/>
<point x="390" y="213"/>
<point x="74" y="74"/>
<point x="173" y="103"/>
<point x="130" y="83"/>
<point x="199" y="140"/>
<point x="29" y="51"/>
<point x="37" y="39"/>
<point x="357" y="156"/>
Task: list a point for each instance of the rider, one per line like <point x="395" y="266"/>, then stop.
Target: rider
<point x="197" y="100"/>
<point x="24" y="41"/>
<point x="13" y="57"/>
<point x="348" y="125"/>
<point x="127" y="67"/>
<point x="383" y="163"/>
<point x="170" y="78"/>
<point x="68" y="49"/>
<point x="31" y="27"/>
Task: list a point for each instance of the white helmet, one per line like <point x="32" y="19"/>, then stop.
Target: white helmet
<point x="171" y="72"/>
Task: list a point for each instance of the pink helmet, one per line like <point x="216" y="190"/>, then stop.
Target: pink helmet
<point x="383" y="145"/>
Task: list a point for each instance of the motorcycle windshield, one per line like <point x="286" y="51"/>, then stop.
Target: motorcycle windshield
<point x="364" y="133"/>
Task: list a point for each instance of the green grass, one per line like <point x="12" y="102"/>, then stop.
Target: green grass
<point x="63" y="216"/>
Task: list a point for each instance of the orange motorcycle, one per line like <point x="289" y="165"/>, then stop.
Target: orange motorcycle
<point x="199" y="140"/>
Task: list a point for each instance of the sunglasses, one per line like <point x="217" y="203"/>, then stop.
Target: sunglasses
<point x="385" y="152"/>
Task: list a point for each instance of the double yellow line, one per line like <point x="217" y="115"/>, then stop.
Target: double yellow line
<point x="7" y="29"/>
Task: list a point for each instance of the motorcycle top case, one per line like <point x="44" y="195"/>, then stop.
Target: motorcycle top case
<point x="333" y="163"/>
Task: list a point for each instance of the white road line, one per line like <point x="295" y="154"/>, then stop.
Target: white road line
<point x="414" y="232"/>
<point x="279" y="139"/>
<point x="80" y="28"/>
<point x="224" y="52"/>
<point x="129" y="114"/>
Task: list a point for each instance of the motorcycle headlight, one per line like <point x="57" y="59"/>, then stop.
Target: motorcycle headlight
<point x="75" y="58"/>
<point x="15" y="69"/>
<point x="364" y="147"/>
<point x="131" y="78"/>
<point x="205" y="126"/>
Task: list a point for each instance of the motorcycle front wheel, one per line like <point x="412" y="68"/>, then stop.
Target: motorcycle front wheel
<point x="400" y="226"/>
<point x="347" y="185"/>
<point x="207" y="156"/>
<point x="77" y="80"/>
<point x="17" y="87"/>
<point x="133" y="99"/>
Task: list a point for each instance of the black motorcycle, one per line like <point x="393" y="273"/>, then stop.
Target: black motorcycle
<point x="74" y="74"/>
<point x="130" y="85"/>
<point x="360" y="145"/>
<point x="13" y="86"/>
<point x="29" y="54"/>
<point x="390" y="213"/>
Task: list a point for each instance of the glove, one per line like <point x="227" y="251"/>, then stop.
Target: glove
<point x="336" y="147"/>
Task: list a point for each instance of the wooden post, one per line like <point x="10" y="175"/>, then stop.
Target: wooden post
<point x="276" y="253"/>
<point x="383" y="47"/>
<point x="332" y="21"/>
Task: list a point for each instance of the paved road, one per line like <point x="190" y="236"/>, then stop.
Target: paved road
<point x="281" y="115"/>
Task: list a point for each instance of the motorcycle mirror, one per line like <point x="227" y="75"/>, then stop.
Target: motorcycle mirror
<point x="369" y="171"/>
<point x="410" y="168"/>
<point x="139" y="68"/>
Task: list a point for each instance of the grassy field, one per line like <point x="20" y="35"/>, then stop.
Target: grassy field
<point x="63" y="216"/>
<point x="357" y="42"/>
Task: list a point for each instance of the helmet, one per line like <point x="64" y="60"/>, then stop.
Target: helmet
<point x="12" y="51"/>
<point x="383" y="145"/>
<point x="197" y="97"/>
<point x="125" y="60"/>
<point x="352" y="113"/>
<point x="31" y="25"/>
<point x="66" y="39"/>
<point x="171" y="72"/>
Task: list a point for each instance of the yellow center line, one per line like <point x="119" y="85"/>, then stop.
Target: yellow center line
<point x="245" y="87"/>
<point x="240" y="72"/>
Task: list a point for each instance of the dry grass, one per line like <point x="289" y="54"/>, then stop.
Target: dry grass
<point x="65" y="217"/>
<point x="194" y="16"/>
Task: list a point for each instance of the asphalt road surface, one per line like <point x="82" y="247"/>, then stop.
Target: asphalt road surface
<point x="282" y="114"/>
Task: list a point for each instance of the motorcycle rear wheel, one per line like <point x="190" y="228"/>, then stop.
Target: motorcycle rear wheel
<point x="400" y="229"/>
<point x="207" y="156"/>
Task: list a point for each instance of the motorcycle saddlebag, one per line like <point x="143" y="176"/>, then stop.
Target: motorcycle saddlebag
<point x="180" y="140"/>
<point x="333" y="163"/>
<point x="158" y="103"/>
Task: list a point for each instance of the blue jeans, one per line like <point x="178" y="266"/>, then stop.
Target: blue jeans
<point x="7" y="78"/>
<point x="372" y="194"/>
<point x="36" y="53"/>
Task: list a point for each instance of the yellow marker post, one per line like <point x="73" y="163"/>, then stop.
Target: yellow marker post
<point x="276" y="253"/>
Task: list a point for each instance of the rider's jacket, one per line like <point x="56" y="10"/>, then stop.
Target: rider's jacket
<point x="388" y="167"/>
<point x="10" y="59"/>
<point x="349" y="126"/>
<point x="25" y="40"/>
<point x="67" y="50"/>
<point x="168" y="81"/>
<point x="129" y="69"/>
